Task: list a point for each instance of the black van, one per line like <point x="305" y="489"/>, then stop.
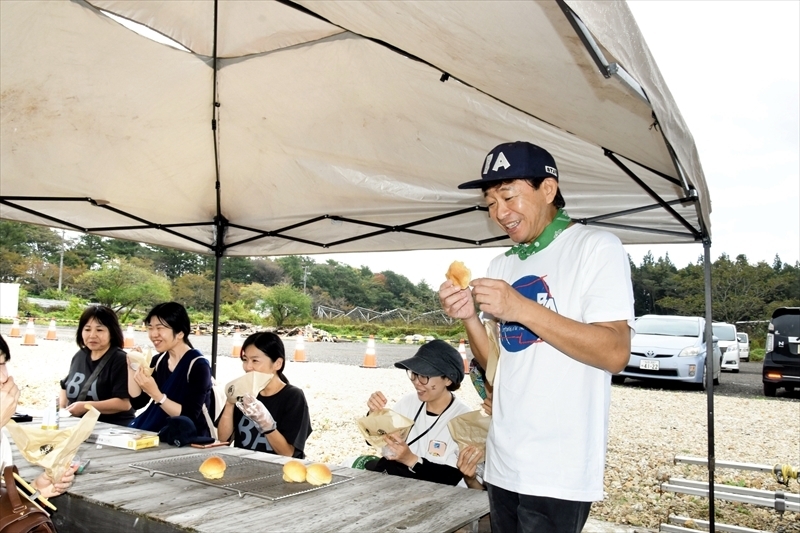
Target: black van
<point x="782" y="360"/>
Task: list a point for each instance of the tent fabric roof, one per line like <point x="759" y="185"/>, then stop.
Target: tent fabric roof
<point x="340" y="126"/>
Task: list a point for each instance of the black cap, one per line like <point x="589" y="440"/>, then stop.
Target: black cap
<point x="436" y="358"/>
<point x="515" y="160"/>
<point x="180" y="431"/>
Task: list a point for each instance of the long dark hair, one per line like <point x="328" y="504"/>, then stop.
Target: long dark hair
<point x="271" y="345"/>
<point x="4" y="348"/>
<point x="173" y="315"/>
<point x="105" y="316"/>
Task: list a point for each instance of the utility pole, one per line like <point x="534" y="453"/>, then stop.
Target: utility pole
<point x="61" y="262"/>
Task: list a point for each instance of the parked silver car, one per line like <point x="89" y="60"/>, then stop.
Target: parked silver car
<point x="728" y="345"/>
<point x="744" y="346"/>
<point x="670" y="348"/>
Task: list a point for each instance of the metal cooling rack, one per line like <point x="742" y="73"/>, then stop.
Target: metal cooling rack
<point x="244" y="476"/>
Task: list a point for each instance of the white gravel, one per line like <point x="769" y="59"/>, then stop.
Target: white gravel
<point x="648" y="428"/>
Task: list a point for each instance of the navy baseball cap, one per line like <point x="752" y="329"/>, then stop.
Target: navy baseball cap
<point x="515" y="160"/>
<point x="436" y="358"/>
<point x="180" y="431"/>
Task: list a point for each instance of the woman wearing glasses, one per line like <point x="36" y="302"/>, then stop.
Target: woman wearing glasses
<point x="429" y="452"/>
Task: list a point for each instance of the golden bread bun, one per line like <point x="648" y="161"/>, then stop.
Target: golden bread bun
<point x="294" y="472"/>
<point x="213" y="467"/>
<point x="318" y="474"/>
<point x="459" y="274"/>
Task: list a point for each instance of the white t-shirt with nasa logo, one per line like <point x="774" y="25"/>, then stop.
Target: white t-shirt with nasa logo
<point x="550" y="412"/>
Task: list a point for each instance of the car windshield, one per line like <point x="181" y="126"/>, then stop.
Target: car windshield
<point x="787" y="325"/>
<point x="724" y="332"/>
<point x="741" y="337"/>
<point x="668" y="326"/>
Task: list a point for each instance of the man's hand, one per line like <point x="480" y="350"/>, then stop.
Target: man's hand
<point x="499" y="299"/>
<point x="257" y="412"/>
<point x="456" y="302"/>
<point x="376" y="402"/>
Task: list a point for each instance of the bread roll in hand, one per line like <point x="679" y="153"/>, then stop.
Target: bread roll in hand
<point x="213" y="467"/>
<point x="459" y="274"/>
<point x="294" y="472"/>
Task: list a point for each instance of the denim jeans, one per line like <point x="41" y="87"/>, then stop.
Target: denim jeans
<point x="512" y="512"/>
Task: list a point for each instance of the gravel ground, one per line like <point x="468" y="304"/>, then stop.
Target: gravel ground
<point x="648" y="427"/>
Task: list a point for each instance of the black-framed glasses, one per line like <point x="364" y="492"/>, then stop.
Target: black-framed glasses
<point x="423" y="380"/>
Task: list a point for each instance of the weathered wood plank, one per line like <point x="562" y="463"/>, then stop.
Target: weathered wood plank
<point x="113" y="495"/>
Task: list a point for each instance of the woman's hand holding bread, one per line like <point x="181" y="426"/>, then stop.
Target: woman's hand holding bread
<point x="376" y="402"/>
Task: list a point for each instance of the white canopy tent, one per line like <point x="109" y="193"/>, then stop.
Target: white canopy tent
<point x="319" y="126"/>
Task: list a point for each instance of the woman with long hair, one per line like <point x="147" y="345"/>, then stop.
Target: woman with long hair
<point x="97" y="374"/>
<point x="277" y="419"/>
<point x="180" y="384"/>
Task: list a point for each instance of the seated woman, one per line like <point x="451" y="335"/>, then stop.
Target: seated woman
<point x="429" y="452"/>
<point x="181" y="380"/>
<point x="97" y="374"/>
<point x="277" y="419"/>
<point x="9" y="396"/>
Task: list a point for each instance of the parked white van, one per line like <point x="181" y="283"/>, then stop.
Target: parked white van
<point x="728" y="345"/>
<point x="744" y="346"/>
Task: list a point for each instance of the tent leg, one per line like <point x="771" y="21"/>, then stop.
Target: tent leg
<point x="709" y="380"/>
<point x="215" y="325"/>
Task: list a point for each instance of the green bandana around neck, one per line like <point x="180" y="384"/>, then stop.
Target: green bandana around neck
<point x="548" y="235"/>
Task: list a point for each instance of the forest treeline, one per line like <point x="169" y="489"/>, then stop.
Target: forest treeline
<point x="128" y="275"/>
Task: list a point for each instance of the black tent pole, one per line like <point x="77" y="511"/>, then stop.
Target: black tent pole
<point x="709" y="379"/>
<point x="215" y="325"/>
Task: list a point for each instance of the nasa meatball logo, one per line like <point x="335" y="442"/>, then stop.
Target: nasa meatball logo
<point x="514" y="336"/>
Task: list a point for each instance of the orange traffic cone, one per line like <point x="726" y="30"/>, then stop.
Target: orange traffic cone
<point x="30" y="335"/>
<point x="300" y="349"/>
<point x="127" y="338"/>
<point x="370" y="360"/>
<point x="15" y="329"/>
<point x="463" y="351"/>
<point x="51" y="331"/>
<point x="237" y="345"/>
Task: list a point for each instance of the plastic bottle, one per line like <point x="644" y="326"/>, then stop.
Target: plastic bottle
<point x="50" y="417"/>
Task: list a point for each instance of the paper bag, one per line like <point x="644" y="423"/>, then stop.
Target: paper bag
<point x="494" y="349"/>
<point x="470" y="429"/>
<point x="375" y="426"/>
<point x="250" y="383"/>
<point x="52" y="449"/>
<point x="139" y="359"/>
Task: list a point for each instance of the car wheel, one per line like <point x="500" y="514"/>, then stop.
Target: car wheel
<point x="617" y="380"/>
<point x="716" y="380"/>
<point x="770" y="389"/>
<point x="747" y="359"/>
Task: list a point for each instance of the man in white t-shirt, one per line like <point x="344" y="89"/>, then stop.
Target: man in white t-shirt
<point x="564" y="303"/>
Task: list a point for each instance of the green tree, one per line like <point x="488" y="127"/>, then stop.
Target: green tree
<point x="252" y="294"/>
<point x="124" y="285"/>
<point x="268" y="272"/>
<point x="28" y="239"/>
<point x="175" y="263"/>
<point x="194" y="291"/>
<point x="284" y="302"/>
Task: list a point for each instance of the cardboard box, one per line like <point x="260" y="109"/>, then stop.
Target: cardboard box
<point x="129" y="438"/>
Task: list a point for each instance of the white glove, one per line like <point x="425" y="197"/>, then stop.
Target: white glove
<point x="255" y="411"/>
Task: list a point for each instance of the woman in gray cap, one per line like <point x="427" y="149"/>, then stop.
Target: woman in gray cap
<point x="429" y="452"/>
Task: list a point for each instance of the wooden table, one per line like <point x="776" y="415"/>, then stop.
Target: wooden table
<point x="111" y="496"/>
